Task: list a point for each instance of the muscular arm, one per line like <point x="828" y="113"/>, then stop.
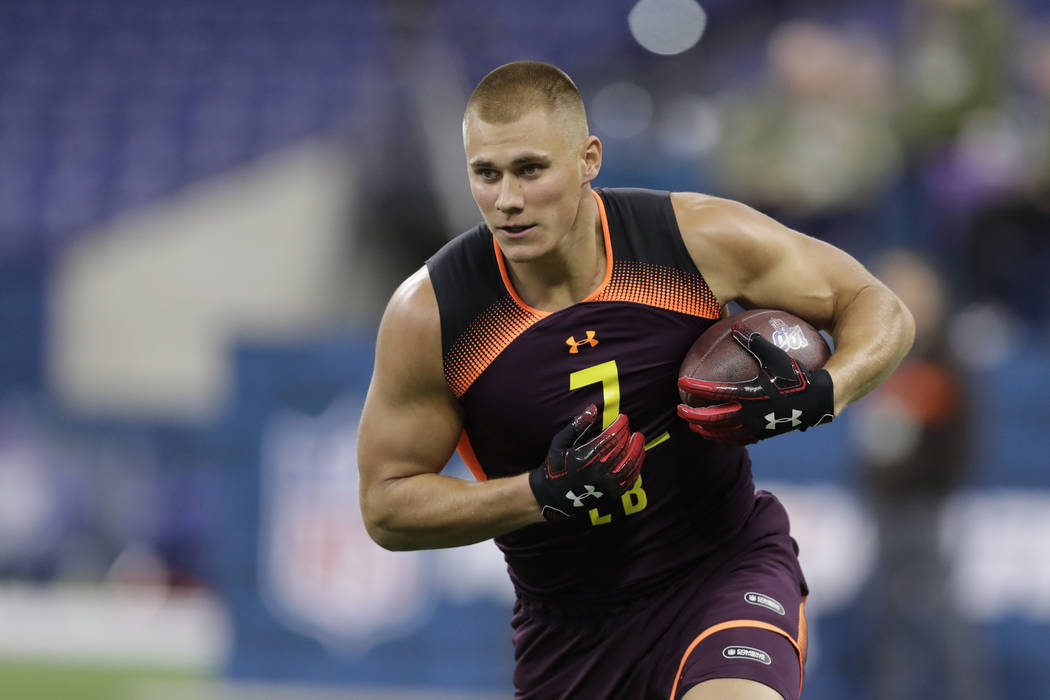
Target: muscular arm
<point x="409" y="429"/>
<point x="749" y="258"/>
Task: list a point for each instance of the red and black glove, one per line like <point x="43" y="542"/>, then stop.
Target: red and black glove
<point x="783" y="397"/>
<point x="586" y="464"/>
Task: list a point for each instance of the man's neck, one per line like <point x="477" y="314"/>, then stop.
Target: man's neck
<point x="570" y="273"/>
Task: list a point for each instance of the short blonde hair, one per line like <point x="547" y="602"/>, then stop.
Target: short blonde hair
<point x="514" y="89"/>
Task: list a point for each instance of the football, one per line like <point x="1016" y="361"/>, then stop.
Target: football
<point x="715" y="356"/>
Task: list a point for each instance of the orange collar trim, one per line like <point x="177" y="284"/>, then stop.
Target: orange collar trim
<point x="590" y="297"/>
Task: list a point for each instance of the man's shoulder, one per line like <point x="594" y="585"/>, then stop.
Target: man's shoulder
<point x="413" y="303"/>
<point x="466" y="280"/>
<point x="707" y="211"/>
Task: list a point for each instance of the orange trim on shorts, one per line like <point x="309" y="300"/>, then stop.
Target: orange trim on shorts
<point x="732" y="624"/>
<point x="803" y="634"/>
<point x="466" y="453"/>
<point x="592" y="296"/>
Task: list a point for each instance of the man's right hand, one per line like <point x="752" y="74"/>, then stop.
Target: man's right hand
<point x="581" y="470"/>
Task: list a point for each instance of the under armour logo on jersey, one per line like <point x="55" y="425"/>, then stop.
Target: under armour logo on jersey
<point x="774" y="421"/>
<point x="574" y="345"/>
<point x="577" y="501"/>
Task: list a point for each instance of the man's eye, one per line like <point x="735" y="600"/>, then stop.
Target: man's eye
<point x="487" y="174"/>
<point x="530" y="170"/>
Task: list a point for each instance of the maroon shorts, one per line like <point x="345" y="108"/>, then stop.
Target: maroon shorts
<point x="740" y="619"/>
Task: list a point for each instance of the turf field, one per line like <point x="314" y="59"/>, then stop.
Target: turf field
<point x="51" y="681"/>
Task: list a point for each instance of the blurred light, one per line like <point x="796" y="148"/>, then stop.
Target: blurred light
<point x="885" y="431"/>
<point x="983" y="335"/>
<point x="27" y="500"/>
<point x="667" y="27"/>
<point x="83" y="624"/>
<point x="690" y="127"/>
<point x="1002" y="550"/>
<point x="622" y="110"/>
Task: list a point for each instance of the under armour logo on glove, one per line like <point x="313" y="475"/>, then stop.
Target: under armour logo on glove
<point x="773" y="421"/>
<point x="587" y="464"/>
<point x="577" y="501"/>
<point x="739" y="413"/>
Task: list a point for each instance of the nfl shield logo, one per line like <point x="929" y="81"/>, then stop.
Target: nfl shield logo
<point x="320" y="573"/>
<point x="787" y="337"/>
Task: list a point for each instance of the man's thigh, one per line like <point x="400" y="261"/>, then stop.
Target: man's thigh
<point x="732" y="689"/>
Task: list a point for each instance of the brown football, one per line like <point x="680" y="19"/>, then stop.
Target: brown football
<point x="715" y="356"/>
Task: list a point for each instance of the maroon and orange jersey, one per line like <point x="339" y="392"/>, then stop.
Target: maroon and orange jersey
<point x="522" y="374"/>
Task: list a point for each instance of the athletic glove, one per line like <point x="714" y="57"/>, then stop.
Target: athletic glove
<point x="783" y="397"/>
<point x="586" y="465"/>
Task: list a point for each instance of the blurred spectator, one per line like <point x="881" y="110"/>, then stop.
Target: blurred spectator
<point x="913" y="439"/>
<point x="1035" y="70"/>
<point x="1007" y="241"/>
<point x="953" y="76"/>
<point x="955" y="64"/>
<point x="816" y="138"/>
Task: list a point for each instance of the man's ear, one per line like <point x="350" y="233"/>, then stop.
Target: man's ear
<point x="592" y="158"/>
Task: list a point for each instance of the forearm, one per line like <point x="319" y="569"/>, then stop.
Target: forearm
<point x="428" y="511"/>
<point x="872" y="333"/>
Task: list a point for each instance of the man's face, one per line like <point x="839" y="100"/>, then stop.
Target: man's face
<point x="527" y="179"/>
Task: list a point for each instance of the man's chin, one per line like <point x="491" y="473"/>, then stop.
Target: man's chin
<point x="519" y="251"/>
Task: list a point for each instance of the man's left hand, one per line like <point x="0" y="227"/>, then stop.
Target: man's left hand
<point x="783" y="397"/>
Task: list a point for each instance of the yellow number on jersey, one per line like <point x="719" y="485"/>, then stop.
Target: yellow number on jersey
<point x="609" y="378"/>
<point x="607" y="375"/>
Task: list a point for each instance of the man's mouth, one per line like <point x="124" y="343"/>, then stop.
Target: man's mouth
<point x="513" y="231"/>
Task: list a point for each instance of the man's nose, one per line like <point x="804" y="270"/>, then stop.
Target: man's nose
<point x="511" y="197"/>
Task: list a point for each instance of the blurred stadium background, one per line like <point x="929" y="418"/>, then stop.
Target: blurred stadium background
<point x="204" y="206"/>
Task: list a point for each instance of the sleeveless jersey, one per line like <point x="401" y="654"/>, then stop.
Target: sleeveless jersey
<point x="522" y="374"/>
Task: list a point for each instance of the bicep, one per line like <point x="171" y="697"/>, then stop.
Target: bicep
<point x="750" y="258"/>
<point x="807" y="277"/>
<point x="411" y="422"/>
